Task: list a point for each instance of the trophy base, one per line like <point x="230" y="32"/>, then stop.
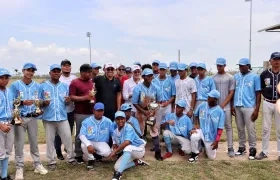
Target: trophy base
<point x="17" y="122"/>
<point x="151" y="122"/>
<point x="92" y="101"/>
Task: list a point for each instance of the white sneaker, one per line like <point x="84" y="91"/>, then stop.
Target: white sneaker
<point x="19" y="174"/>
<point x="40" y="169"/>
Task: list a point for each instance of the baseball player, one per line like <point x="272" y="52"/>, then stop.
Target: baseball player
<point x="247" y="99"/>
<point x="127" y="141"/>
<point x="6" y="129"/>
<point x="28" y="90"/>
<point x="95" y="134"/>
<point x="208" y="126"/>
<point x="177" y="129"/>
<point x="155" y="65"/>
<point x="193" y="68"/>
<point x="143" y="94"/>
<point x="173" y="67"/>
<point x="225" y="84"/>
<point x="55" y="115"/>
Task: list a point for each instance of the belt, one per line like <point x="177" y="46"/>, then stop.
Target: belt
<point x="5" y="122"/>
<point x="30" y="115"/>
<point x="270" y="101"/>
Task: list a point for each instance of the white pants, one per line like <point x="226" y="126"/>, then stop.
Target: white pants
<point x="102" y="149"/>
<point x="208" y="148"/>
<point x="184" y="142"/>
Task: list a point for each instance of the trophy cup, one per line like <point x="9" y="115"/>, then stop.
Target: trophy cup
<point x="152" y="107"/>
<point x="37" y="103"/>
<point x="16" y="112"/>
<point x="92" y="93"/>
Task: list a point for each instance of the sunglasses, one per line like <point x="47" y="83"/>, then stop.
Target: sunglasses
<point x="110" y="69"/>
<point x="120" y="69"/>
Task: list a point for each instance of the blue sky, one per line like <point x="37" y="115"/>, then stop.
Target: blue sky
<point x="45" y="32"/>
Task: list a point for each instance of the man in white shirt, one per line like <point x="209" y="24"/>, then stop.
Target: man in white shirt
<point x="66" y="78"/>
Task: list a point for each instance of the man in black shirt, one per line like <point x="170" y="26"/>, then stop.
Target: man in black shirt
<point x="269" y="80"/>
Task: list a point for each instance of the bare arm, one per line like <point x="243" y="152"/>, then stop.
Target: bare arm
<point x="228" y="99"/>
<point x="193" y="100"/>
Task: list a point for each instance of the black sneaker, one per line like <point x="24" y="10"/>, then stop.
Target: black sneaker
<point x="158" y="156"/>
<point x="117" y="176"/>
<point x="80" y="160"/>
<point x="97" y="157"/>
<point x="193" y="158"/>
<point x="241" y="151"/>
<point x="90" y="165"/>
<point x="52" y="167"/>
<point x="261" y="156"/>
<point x="59" y="155"/>
<point x="7" y="178"/>
<point x="252" y="153"/>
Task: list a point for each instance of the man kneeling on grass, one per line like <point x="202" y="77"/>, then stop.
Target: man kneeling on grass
<point x="95" y="134"/>
<point x="127" y="141"/>
<point x="177" y="130"/>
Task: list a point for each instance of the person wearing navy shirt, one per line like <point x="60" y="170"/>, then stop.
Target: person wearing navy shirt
<point x="95" y="135"/>
<point x="55" y="115"/>
<point x="127" y="141"/>
<point x="177" y="129"/>
<point x="247" y="99"/>
<point x="208" y="126"/>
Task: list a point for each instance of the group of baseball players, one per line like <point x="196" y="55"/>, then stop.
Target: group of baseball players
<point x="111" y="111"/>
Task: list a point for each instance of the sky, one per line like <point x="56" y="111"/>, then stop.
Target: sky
<point x="125" y="31"/>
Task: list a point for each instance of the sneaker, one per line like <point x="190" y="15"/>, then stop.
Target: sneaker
<point x="193" y="158"/>
<point x="158" y="155"/>
<point x="231" y="152"/>
<point x="7" y="178"/>
<point x="241" y="151"/>
<point x="97" y="157"/>
<point x="19" y="174"/>
<point x="252" y="153"/>
<point x="52" y="167"/>
<point x="261" y="156"/>
<point x="117" y="176"/>
<point x="59" y="155"/>
<point x="90" y="165"/>
<point x="167" y="155"/>
<point x="80" y="160"/>
<point x="73" y="163"/>
<point x="40" y="169"/>
<point x="141" y="162"/>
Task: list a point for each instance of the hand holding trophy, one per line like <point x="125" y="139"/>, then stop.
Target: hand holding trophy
<point x="37" y="103"/>
<point x="92" y="93"/>
<point x="16" y="112"/>
<point x="152" y="108"/>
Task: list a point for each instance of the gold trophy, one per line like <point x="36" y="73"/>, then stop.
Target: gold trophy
<point x="92" y="93"/>
<point x="16" y="112"/>
<point x="37" y="103"/>
<point x="152" y="108"/>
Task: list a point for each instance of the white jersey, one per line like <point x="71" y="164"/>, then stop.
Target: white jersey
<point x="68" y="80"/>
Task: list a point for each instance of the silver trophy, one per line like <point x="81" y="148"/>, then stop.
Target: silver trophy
<point x="92" y="93"/>
<point x="37" y="103"/>
<point x="152" y="108"/>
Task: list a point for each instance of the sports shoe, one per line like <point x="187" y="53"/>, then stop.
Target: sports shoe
<point x="193" y="158"/>
<point x="52" y="167"/>
<point x="141" y="162"/>
<point x="241" y="151"/>
<point x="252" y="153"/>
<point x="90" y="165"/>
<point x="59" y="155"/>
<point x="158" y="155"/>
<point x="73" y="163"/>
<point x="167" y="155"/>
<point x="97" y="157"/>
<point x="117" y="176"/>
<point x="19" y="174"/>
<point x="40" y="169"/>
<point x="80" y="160"/>
<point x="181" y="153"/>
<point x="261" y="156"/>
<point x="7" y="178"/>
<point x="231" y="152"/>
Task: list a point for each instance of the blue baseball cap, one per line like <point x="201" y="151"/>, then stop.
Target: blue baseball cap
<point x="95" y="65"/>
<point x="221" y="61"/>
<point x="193" y="64"/>
<point x="173" y="65"/>
<point x="244" y="61"/>
<point x="4" y="72"/>
<point x="214" y="94"/>
<point x="156" y="61"/>
<point x="55" y="66"/>
<point x="201" y="65"/>
<point x="275" y="55"/>
<point x="162" y="66"/>
<point x="98" y="106"/>
<point x="119" y="114"/>
<point x="29" y="66"/>
<point x="137" y="63"/>
<point x="182" y="66"/>
<point x="125" y="107"/>
<point x="182" y="103"/>
<point x="146" y="72"/>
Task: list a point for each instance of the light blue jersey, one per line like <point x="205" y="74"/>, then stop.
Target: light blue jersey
<point x="6" y="105"/>
<point x="166" y="86"/>
<point x="204" y="86"/>
<point x="56" y="110"/>
<point x="182" y="127"/>
<point x="210" y="119"/>
<point x="133" y="121"/>
<point x="96" y="130"/>
<point x="175" y="77"/>
<point x="26" y="92"/>
<point x="245" y="89"/>
<point x="127" y="133"/>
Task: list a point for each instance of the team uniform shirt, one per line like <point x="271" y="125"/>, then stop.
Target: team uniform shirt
<point x="127" y="133"/>
<point x="210" y="120"/>
<point x="245" y="89"/>
<point x="184" y="89"/>
<point x="167" y="88"/>
<point x="133" y="121"/>
<point x="269" y="81"/>
<point x="224" y="84"/>
<point x="6" y="105"/>
<point x="56" y="93"/>
<point x="26" y="92"/>
<point x="156" y="75"/>
<point x="143" y="95"/>
<point x="182" y="126"/>
<point x="204" y="86"/>
<point x="96" y="130"/>
<point x="174" y="78"/>
<point x="68" y="80"/>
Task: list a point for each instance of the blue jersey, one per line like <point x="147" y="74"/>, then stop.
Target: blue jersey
<point x="133" y="121"/>
<point x="6" y="105"/>
<point x="26" y="92"/>
<point x="143" y="95"/>
<point x="204" y="86"/>
<point x="245" y="89"/>
<point x="166" y="86"/>
<point x="56" y="110"/>
<point x="127" y="133"/>
<point x="210" y="120"/>
<point x="182" y="127"/>
<point x="175" y="77"/>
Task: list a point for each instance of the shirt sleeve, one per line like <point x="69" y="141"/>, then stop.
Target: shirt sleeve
<point x="262" y="80"/>
<point x="212" y="84"/>
<point x="125" y="90"/>
<point x="158" y="94"/>
<point x="189" y="124"/>
<point x="232" y="83"/>
<point x="221" y="120"/>
<point x="257" y="82"/>
<point x="173" y="88"/>
<point x="136" y="95"/>
<point x="129" y="134"/>
<point x="165" y="119"/>
<point x="136" y="125"/>
<point x="72" y="88"/>
<point x="193" y="87"/>
<point x="196" y="113"/>
<point x="67" y="90"/>
<point x="13" y="90"/>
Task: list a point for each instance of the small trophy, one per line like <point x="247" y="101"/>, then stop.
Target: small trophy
<point x="37" y="103"/>
<point x="92" y="93"/>
<point x="152" y="107"/>
<point x="16" y="112"/>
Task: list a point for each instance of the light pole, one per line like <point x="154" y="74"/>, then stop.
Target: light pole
<point x="89" y="44"/>
<point x="250" y="39"/>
